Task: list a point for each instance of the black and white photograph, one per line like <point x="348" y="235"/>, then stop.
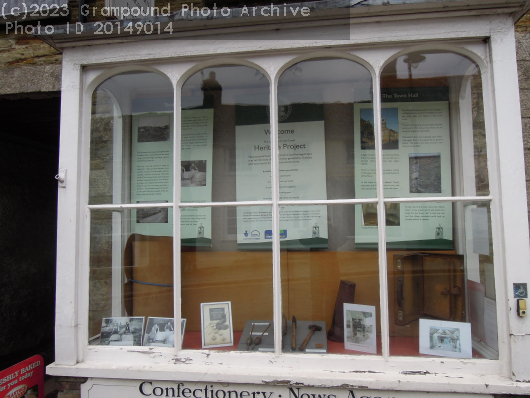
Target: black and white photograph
<point x="193" y="173"/>
<point x="154" y="215"/>
<point x="122" y="331"/>
<point x="446" y="339"/>
<point x="216" y="324"/>
<point x="154" y="128"/>
<point x="359" y="327"/>
<point x="160" y="332"/>
<point x="392" y="210"/>
<point x="425" y="173"/>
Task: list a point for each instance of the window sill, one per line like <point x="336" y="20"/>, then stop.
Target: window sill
<point x="266" y="369"/>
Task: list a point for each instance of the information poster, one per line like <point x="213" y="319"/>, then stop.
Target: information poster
<point x="196" y="176"/>
<point x="152" y="173"/>
<point x="416" y="163"/>
<point x="302" y="159"/>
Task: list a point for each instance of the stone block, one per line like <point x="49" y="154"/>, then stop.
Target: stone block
<point x="526" y="132"/>
<point x="527" y="163"/>
<point x="523" y="70"/>
<point x="522" y="41"/>
<point x="69" y="394"/>
<point x="69" y="383"/>
<point x="100" y="295"/>
<point x="100" y="184"/>
<point x="30" y="79"/>
<point x="525" y="103"/>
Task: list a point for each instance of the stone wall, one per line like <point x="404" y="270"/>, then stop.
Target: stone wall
<point x="522" y="34"/>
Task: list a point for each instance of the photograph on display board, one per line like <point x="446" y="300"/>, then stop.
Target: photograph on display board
<point x="359" y="328"/>
<point x="160" y="332"/>
<point x="193" y="173"/>
<point x="392" y="214"/>
<point x="416" y="143"/>
<point x="154" y="128"/>
<point x="122" y="331"/>
<point x="216" y="324"/>
<point x="446" y="339"/>
<point x="425" y="173"/>
<point x="155" y="215"/>
<point x="389" y="128"/>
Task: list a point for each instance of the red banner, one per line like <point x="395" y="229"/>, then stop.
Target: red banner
<point x="25" y="379"/>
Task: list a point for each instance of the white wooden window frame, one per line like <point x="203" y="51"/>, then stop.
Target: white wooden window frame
<point x="84" y="70"/>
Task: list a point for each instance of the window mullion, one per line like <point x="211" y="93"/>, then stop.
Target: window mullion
<point x="176" y="220"/>
<point x="275" y="185"/>
<point x="381" y="221"/>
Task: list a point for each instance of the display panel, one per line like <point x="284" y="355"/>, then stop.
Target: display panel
<point x="452" y="292"/>
<point x="216" y="103"/>
<point x="433" y="107"/>
<point x="316" y="100"/>
<point x="335" y="288"/>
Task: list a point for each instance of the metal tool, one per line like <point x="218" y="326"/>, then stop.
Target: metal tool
<point x="313" y="328"/>
<point x="257" y="340"/>
<point x="249" y="338"/>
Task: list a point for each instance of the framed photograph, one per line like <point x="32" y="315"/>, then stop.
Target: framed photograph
<point x="216" y="324"/>
<point x="160" y="332"/>
<point x="359" y="328"/>
<point x="122" y="330"/>
<point x="445" y="339"/>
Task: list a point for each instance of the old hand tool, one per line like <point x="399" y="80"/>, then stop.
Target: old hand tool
<point x="257" y="340"/>
<point x="249" y="338"/>
<point x="293" y="345"/>
<point x="312" y="328"/>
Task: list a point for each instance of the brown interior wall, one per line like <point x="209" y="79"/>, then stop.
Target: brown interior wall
<point x="310" y="282"/>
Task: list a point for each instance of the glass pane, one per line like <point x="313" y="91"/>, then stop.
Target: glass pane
<point x="441" y="283"/>
<point x="226" y="107"/>
<point x="330" y="278"/>
<point x="324" y="153"/>
<point x="227" y="280"/>
<point x="131" y="140"/>
<point x="433" y="131"/>
<point x="131" y="281"/>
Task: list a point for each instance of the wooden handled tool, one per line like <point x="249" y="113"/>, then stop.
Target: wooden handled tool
<point x="312" y="328"/>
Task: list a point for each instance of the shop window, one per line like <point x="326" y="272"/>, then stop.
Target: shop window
<point x="224" y="258"/>
<point x="131" y="163"/>
<point x="324" y="270"/>
<point x="441" y="293"/>
<point x="365" y="224"/>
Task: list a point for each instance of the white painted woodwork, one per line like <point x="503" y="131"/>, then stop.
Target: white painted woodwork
<point x="373" y="44"/>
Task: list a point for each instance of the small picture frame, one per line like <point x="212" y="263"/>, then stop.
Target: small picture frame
<point x="216" y="324"/>
<point x="122" y="331"/>
<point x="160" y="332"/>
<point x="359" y="328"/>
<point x="445" y="339"/>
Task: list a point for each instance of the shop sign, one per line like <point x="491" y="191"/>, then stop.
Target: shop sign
<point x="25" y="379"/>
<point x="101" y="388"/>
